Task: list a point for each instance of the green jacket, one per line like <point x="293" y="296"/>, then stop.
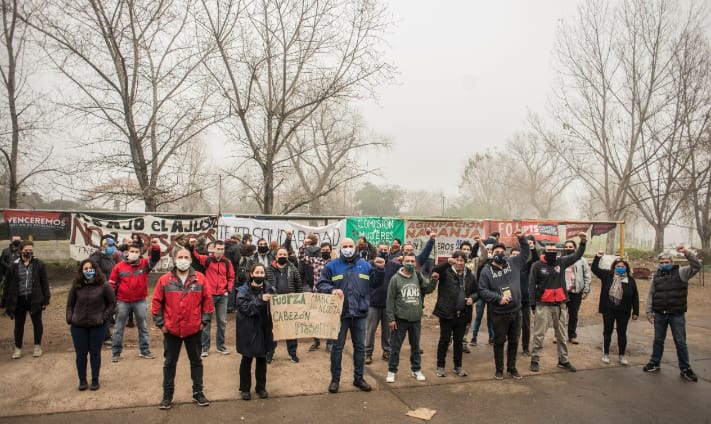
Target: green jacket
<point x="405" y="296"/>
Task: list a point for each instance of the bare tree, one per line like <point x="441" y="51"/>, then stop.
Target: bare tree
<point x="279" y="62"/>
<point x="20" y="113"/>
<point x="485" y="191"/>
<point x="136" y="67"/>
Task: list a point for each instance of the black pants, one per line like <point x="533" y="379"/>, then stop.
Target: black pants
<point x="171" y="353"/>
<point x="451" y="329"/>
<point x="525" y="325"/>
<point x="573" y="308"/>
<point x="245" y="374"/>
<point x="24" y="305"/>
<point x="291" y="346"/>
<point x="609" y="319"/>
<point x="506" y="327"/>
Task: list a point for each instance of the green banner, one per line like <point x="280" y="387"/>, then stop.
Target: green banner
<point x="376" y="229"/>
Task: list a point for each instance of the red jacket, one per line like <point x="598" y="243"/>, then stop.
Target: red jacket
<point x="132" y="279"/>
<point x="219" y="272"/>
<point x="182" y="308"/>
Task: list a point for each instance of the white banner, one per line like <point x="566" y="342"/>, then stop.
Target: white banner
<point x="276" y="230"/>
<point x="450" y="234"/>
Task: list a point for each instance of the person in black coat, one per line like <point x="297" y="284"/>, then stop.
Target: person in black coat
<point x="618" y="297"/>
<point x="254" y="331"/>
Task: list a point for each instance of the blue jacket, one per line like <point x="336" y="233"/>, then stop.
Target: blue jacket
<point x="356" y="279"/>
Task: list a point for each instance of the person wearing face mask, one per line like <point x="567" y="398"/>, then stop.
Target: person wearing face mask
<point x="129" y="280"/>
<point x="26" y="291"/>
<point x="284" y="278"/>
<point x="525" y="297"/>
<point x="263" y="255"/>
<point x="220" y="278"/>
<point x="254" y="331"/>
<point x="404" y="314"/>
<point x="9" y="255"/>
<point x="351" y="278"/>
<point x="104" y="257"/>
<point x="315" y="263"/>
<point x="182" y="307"/>
<point x="548" y="295"/>
<point x="577" y="280"/>
<point x="90" y="305"/>
<point x="500" y="287"/>
<point x="365" y="249"/>
<point x="666" y="307"/>
<point x="618" y="298"/>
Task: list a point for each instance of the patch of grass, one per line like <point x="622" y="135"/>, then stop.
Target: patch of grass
<point x="637" y="254"/>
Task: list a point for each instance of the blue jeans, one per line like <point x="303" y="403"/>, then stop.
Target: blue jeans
<point x="412" y="328"/>
<point x="122" y="311"/>
<point x="220" y="303"/>
<point x="677" y="322"/>
<point x="357" y="327"/>
<point x="88" y="341"/>
<point x="480" y="305"/>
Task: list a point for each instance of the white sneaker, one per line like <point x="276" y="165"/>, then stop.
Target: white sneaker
<point x="38" y="351"/>
<point x="623" y="360"/>
<point x="17" y="354"/>
<point x="419" y="376"/>
<point x="606" y="359"/>
<point x="390" y="378"/>
<point x="204" y="354"/>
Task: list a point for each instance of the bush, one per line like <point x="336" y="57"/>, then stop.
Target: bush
<point x="636" y="254"/>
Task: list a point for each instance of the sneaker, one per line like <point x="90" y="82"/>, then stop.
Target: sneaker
<point x="223" y="350"/>
<point x="688" y="374"/>
<point x="419" y="376"/>
<point x="473" y="342"/>
<point x="294" y="359"/>
<point x="499" y="375"/>
<point x="386" y="356"/>
<point x="440" y="372"/>
<point x="525" y="353"/>
<point x="361" y="384"/>
<point x="623" y="360"/>
<point x="166" y="403"/>
<point x="574" y="340"/>
<point x="83" y="385"/>
<point x="263" y="394"/>
<point x="314" y="346"/>
<point x="204" y="354"/>
<point x="368" y="359"/>
<point x="534" y="366"/>
<point x="465" y="348"/>
<point x="200" y="399"/>
<point x="17" y="354"/>
<point x="460" y="371"/>
<point x="651" y="367"/>
<point x="605" y="359"/>
<point x="115" y="357"/>
<point x="567" y="366"/>
<point x="245" y="396"/>
<point x="390" y="378"/>
<point x="514" y="374"/>
<point x="38" y="351"/>
<point x="146" y="354"/>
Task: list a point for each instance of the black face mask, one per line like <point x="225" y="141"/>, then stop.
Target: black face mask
<point x="27" y="255"/>
<point x="262" y="249"/>
<point x="282" y="260"/>
<point x="326" y="255"/>
<point x="568" y="251"/>
<point x="550" y="257"/>
<point x="16" y="244"/>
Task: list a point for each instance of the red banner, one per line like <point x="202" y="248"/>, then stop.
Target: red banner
<point x="506" y="230"/>
<point x="572" y="230"/>
<point x="600" y="229"/>
<point x="541" y="230"/>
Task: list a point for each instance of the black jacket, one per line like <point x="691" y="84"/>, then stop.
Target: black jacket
<point x="293" y="278"/>
<point x="630" y="295"/>
<point x="449" y="291"/>
<point x="90" y="305"/>
<point x="104" y="261"/>
<point x="40" y="287"/>
<point x="8" y="256"/>
<point x="254" y="322"/>
<point x="546" y="283"/>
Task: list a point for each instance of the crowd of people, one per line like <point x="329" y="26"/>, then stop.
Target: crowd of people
<point x="382" y="287"/>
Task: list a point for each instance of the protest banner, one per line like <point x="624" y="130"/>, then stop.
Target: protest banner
<point x="602" y="228"/>
<point x="298" y="315"/>
<point x="87" y="230"/>
<point x="375" y="229"/>
<point x="450" y="234"/>
<point x="506" y="229"/>
<point x="276" y="230"/>
<point x="572" y="230"/>
<point x="37" y="225"/>
<point x="541" y="230"/>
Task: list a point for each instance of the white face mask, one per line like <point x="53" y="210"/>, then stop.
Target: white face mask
<point x="348" y="252"/>
<point x="133" y="256"/>
<point x="182" y="264"/>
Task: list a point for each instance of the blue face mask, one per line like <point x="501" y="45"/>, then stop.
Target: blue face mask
<point x="665" y="267"/>
<point x="89" y="274"/>
<point x="110" y="250"/>
<point x="383" y="255"/>
<point x="621" y="270"/>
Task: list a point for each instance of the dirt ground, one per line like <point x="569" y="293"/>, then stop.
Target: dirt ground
<point x="48" y="384"/>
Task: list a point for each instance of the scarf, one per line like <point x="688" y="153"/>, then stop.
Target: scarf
<point x="616" y="289"/>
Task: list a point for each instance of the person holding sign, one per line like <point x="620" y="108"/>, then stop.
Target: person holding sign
<point x="500" y="287"/>
<point x="549" y="298"/>
<point x="351" y="278"/>
<point x="404" y="314"/>
<point x="254" y="331"/>
<point x="284" y="278"/>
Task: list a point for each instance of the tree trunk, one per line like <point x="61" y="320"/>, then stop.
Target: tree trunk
<point x="268" y="205"/>
<point x="610" y="246"/>
<point x="658" y="238"/>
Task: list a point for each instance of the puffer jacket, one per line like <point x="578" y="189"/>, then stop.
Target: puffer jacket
<point x="90" y="305"/>
<point x="356" y="278"/>
<point x="130" y="281"/>
<point x="448" y="291"/>
<point x="40" y="288"/>
<point x="182" y="308"/>
<point x="219" y="272"/>
<point x="546" y="284"/>
<point x="292" y="276"/>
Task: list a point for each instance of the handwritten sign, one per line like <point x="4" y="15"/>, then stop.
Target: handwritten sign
<point x="297" y="315"/>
